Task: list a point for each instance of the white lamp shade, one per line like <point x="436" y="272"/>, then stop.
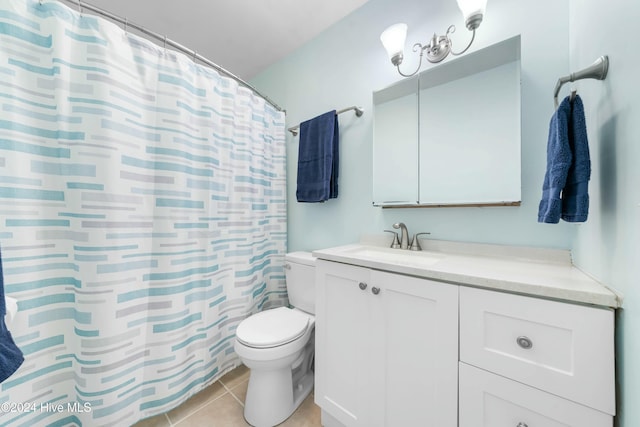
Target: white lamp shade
<point x="472" y="7"/>
<point x="393" y="39"/>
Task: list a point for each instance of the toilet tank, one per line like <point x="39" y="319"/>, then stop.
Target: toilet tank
<point x="300" y="273"/>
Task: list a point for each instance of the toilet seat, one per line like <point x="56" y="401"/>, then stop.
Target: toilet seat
<point x="272" y="328"/>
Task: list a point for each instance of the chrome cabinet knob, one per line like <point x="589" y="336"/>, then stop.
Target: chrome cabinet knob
<point x="522" y="425"/>
<point x="525" y="343"/>
<point x="375" y="290"/>
<point x="362" y="285"/>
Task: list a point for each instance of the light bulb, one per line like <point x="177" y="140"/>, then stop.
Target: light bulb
<point x="393" y="39"/>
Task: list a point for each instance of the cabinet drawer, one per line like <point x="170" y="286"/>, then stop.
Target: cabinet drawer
<point x="489" y="400"/>
<point x="565" y="349"/>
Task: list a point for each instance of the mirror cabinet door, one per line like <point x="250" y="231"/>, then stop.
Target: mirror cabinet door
<point x="470" y="137"/>
<point x="395" y="144"/>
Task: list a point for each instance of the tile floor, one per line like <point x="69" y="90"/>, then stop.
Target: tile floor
<point x="222" y="404"/>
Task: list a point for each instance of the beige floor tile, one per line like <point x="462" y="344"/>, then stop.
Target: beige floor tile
<point x="157" y="421"/>
<point x="240" y="391"/>
<point x="222" y="412"/>
<point x="235" y="377"/>
<point x="194" y="403"/>
<point x="214" y="407"/>
<point x="307" y="415"/>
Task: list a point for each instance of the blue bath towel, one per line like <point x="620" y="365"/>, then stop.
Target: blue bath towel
<point x="559" y="158"/>
<point x="318" y="157"/>
<point x="10" y="355"/>
<point x="575" y="196"/>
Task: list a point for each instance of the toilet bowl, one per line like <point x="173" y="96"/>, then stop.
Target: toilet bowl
<point x="277" y="346"/>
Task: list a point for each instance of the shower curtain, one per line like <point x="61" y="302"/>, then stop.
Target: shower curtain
<point x="142" y="217"/>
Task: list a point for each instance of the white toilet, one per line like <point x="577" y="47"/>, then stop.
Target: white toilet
<point x="278" y="346"/>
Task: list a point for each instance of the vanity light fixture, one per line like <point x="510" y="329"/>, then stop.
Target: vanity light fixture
<point x="439" y="47"/>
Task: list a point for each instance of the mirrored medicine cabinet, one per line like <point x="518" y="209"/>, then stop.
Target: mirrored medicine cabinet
<point x="450" y="136"/>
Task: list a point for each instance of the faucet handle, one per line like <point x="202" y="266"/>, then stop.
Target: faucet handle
<point x="415" y="243"/>
<point x="396" y="243"/>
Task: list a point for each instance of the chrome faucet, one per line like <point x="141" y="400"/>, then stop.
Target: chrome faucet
<point x="404" y="238"/>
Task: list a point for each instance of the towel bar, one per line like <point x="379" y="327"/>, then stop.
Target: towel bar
<point x="359" y="112"/>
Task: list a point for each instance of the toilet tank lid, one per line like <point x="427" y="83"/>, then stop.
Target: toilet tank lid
<point x="301" y="257"/>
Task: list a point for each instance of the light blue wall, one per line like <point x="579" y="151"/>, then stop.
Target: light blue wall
<point x="347" y="62"/>
<point x="606" y="246"/>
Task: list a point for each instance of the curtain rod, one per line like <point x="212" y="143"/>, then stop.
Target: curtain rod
<point x="192" y="53"/>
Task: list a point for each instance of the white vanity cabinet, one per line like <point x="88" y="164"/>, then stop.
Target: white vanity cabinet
<point x="400" y="348"/>
<point x="386" y="348"/>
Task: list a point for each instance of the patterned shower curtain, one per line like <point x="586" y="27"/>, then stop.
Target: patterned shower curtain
<point x="142" y="217"/>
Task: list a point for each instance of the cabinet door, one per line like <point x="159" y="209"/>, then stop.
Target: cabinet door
<point x="342" y="343"/>
<point x="415" y="350"/>
<point x="489" y="400"/>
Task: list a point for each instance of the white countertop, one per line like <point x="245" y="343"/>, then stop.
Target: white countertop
<point x="546" y="273"/>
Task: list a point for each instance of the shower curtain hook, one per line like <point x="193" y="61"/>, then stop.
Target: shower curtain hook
<point x="195" y="55"/>
<point x="126" y="24"/>
<point x="165" y="42"/>
<point x="80" y="7"/>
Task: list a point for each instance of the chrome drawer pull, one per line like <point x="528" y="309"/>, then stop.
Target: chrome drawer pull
<point x="362" y="285"/>
<point x="525" y="343"/>
<point x="375" y="290"/>
<point x="522" y="425"/>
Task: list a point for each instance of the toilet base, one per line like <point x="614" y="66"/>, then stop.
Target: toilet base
<point x="271" y="399"/>
<point x="280" y="378"/>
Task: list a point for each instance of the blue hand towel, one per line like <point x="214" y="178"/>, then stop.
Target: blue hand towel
<point x="318" y="157"/>
<point x="559" y="158"/>
<point x="575" y="196"/>
<point x="10" y="355"/>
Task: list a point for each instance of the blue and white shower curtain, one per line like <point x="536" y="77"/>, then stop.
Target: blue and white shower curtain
<point x="142" y="217"/>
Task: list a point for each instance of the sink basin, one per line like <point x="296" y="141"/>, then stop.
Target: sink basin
<point x="393" y="256"/>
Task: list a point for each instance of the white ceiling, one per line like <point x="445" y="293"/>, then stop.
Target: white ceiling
<point x="242" y="36"/>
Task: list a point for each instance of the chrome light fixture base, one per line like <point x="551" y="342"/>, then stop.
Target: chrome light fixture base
<point x="438" y="48"/>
